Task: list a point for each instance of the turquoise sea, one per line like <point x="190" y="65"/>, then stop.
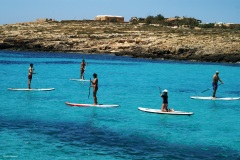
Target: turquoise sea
<point x="39" y="126"/>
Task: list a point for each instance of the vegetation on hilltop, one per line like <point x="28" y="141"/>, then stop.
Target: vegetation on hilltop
<point x="160" y="19"/>
<point x="178" y="21"/>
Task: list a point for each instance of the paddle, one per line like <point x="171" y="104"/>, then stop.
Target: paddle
<point x="160" y="90"/>
<point x="210" y="88"/>
<point x="37" y="80"/>
<point x="89" y="88"/>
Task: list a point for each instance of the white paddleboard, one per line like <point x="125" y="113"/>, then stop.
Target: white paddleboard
<point x="32" y="89"/>
<point x="92" y="105"/>
<point x="159" y="111"/>
<point x="218" y="98"/>
<point x="81" y="80"/>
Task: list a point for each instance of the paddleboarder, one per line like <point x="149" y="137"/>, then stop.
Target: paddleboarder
<point x="82" y="69"/>
<point x="95" y="88"/>
<point x="164" y="96"/>
<point x="30" y="73"/>
<point x="216" y="78"/>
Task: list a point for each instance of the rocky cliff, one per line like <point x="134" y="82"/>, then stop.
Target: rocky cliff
<point x="145" y="41"/>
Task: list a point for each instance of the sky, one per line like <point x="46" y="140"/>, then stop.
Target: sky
<point x="209" y="11"/>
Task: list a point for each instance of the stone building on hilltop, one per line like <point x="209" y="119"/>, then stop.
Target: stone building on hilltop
<point x="109" y="18"/>
<point x="42" y="20"/>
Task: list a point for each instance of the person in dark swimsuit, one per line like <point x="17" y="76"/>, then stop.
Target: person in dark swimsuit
<point x="95" y="88"/>
<point x="30" y="73"/>
<point x="164" y="96"/>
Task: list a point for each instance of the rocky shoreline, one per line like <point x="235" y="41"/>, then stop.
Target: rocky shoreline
<point x="139" y="40"/>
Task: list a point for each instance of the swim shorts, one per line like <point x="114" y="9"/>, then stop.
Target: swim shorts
<point x="29" y="76"/>
<point x="215" y="86"/>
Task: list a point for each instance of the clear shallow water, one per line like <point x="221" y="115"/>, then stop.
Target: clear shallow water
<point x="38" y="125"/>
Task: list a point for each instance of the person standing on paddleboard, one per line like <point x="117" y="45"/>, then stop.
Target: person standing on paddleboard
<point x="164" y="96"/>
<point x="95" y="88"/>
<point x="30" y="73"/>
<point x="82" y="69"/>
<point x="216" y="78"/>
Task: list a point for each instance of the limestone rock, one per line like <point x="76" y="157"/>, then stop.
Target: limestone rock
<point x="212" y="45"/>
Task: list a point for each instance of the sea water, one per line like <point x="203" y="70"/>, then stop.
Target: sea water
<point x="38" y="125"/>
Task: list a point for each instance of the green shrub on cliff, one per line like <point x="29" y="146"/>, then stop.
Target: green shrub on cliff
<point x="159" y="19"/>
<point x="208" y="25"/>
